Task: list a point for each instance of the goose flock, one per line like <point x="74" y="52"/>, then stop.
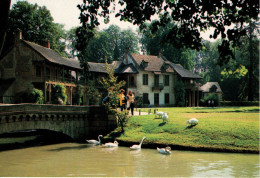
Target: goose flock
<point x="114" y="144"/>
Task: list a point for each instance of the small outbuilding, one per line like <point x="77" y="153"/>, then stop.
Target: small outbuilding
<point x="211" y="87"/>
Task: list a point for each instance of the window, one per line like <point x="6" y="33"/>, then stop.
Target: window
<point x="156" y="80"/>
<point x="145" y="79"/>
<point x="38" y="71"/>
<point x="146" y="98"/>
<point x="166" y="80"/>
<point x="167" y="98"/>
<point x="156" y="99"/>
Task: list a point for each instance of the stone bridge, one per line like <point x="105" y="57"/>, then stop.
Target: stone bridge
<point x="78" y="122"/>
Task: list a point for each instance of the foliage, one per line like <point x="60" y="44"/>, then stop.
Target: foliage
<point x="237" y="73"/>
<point x="78" y="95"/>
<point x="180" y="93"/>
<point x="138" y="101"/>
<point x="35" y="96"/>
<point x="111" y="85"/>
<point x="239" y="103"/>
<point x="152" y="43"/>
<point x="36" y="24"/>
<point x="220" y="129"/>
<point x="58" y="92"/>
<point x="192" y="18"/>
<point x="94" y="94"/>
<point x="211" y="97"/>
<point x="106" y="45"/>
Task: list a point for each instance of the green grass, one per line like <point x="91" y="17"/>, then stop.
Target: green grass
<point x="228" y="128"/>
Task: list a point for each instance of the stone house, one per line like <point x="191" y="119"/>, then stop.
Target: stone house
<point x="154" y="79"/>
<point x="28" y="65"/>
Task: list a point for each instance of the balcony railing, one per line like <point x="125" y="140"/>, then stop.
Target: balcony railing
<point x="158" y="86"/>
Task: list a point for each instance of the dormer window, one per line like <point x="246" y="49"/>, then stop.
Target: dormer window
<point x="144" y="64"/>
<point x="213" y="88"/>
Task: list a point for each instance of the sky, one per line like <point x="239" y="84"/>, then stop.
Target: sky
<point x="66" y="12"/>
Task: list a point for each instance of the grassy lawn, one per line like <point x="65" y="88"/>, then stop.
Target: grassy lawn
<point x="223" y="129"/>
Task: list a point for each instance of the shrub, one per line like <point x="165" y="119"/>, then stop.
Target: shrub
<point x="59" y="91"/>
<point x="35" y="96"/>
<point x="78" y="95"/>
<point x="212" y="97"/>
<point x="180" y="93"/>
<point x="138" y="101"/>
<point x="239" y="103"/>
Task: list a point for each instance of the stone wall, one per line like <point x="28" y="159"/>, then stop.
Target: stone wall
<point x="79" y="122"/>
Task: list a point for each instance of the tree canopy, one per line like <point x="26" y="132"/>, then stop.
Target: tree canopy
<point x="192" y="17"/>
<point x="36" y="24"/>
<point x="106" y="45"/>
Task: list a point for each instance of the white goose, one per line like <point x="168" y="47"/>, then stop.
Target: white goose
<point x="137" y="147"/>
<point x="110" y="144"/>
<point x="95" y="141"/>
<point x="166" y="150"/>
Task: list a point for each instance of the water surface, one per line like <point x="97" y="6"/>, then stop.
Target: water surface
<point x="82" y="160"/>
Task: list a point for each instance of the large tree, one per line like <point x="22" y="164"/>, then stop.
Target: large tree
<point x="192" y="17"/>
<point x="107" y="45"/>
<point x="36" y="24"/>
<point x="152" y="43"/>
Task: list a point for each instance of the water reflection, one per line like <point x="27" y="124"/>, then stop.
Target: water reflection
<point x="84" y="160"/>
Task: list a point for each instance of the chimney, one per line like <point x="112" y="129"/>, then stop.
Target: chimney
<point x="47" y="44"/>
<point x="160" y="53"/>
<point x="18" y="36"/>
<point x="126" y="55"/>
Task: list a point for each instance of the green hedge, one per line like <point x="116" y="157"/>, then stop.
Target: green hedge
<point x="239" y="103"/>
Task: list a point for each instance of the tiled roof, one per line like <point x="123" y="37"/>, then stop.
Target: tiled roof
<point x="97" y="67"/>
<point x="154" y="62"/>
<point x="184" y="73"/>
<point x="206" y="87"/>
<point x="52" y="56"/>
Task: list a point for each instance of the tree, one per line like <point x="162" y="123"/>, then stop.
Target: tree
<point x="108" y="45"/>
<point x="37" y="26"/>
<point x="111" y="85"/>
<point x="192" y="18"/>
<point x="152" y="43"/>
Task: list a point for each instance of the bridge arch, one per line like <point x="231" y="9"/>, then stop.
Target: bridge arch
<point x="78" y="122"/>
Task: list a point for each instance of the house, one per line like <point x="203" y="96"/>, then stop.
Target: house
<point x="211" y="88"/>
<point x="28" y="65"/>
<point x="154" y="78"/>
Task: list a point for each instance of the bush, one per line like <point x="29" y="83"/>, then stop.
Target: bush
<point x="138" y="101"/>
<point x="180" y="93"/>
<point x="34" y="96"/>
<point x="211" y="97"/>
<point x="239" y="103"/>
<point x="78" y="95"/>
<point x="59" y="92"/>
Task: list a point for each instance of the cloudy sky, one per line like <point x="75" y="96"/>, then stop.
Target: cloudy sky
<point x="66" y="12"/>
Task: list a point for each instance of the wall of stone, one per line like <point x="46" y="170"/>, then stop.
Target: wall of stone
<point x="79" y="122"/>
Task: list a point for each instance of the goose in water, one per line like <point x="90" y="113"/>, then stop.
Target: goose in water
<point x="166" y="150"/>
<point x="137" y="147"/>
<point x="95" y="141"/>
<point x="110" y="144"/>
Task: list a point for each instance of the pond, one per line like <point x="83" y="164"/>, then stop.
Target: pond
<point x="84" y="160"/>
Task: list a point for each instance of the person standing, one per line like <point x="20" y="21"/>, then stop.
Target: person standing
<point x="122" y="101"/>
<point x="131" y="101"/>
